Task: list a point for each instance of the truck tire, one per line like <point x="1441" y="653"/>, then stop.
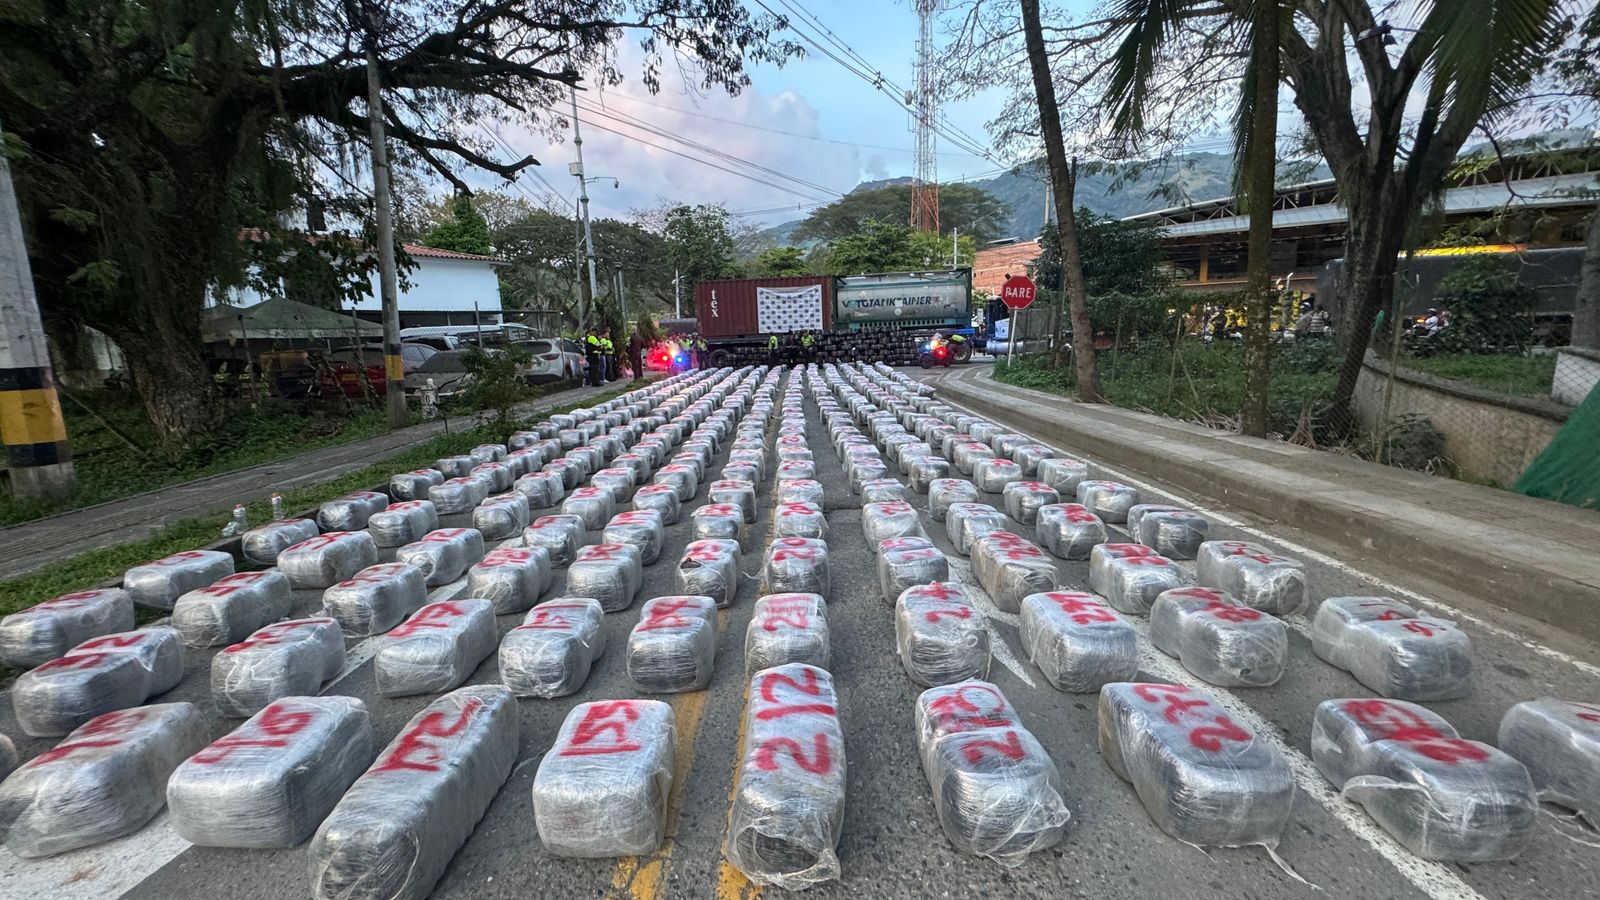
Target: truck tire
<point x="721" y="359"/>
<point x="963" y="352"/>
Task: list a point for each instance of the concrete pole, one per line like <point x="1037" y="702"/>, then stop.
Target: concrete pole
<point x="35" y="436"/>
<point x="583" y="200"/>
<point x="394" y="370"/>
<point x="955" y="248"/>
<point x="677" y="295"/>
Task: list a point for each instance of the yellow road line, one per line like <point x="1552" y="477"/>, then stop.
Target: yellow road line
<point x="732" y="883"/>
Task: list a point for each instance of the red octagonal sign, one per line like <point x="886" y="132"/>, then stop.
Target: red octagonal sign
<point x="1018" y="292"/>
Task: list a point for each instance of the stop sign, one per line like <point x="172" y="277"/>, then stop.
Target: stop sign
<point x="1017" y="292"/>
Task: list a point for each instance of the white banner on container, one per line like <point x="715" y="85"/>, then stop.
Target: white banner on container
<point x="789" y="309"/>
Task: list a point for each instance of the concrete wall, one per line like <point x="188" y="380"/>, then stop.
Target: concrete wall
<point x="1488" y="436"/>
<point x="1577" y="372"/>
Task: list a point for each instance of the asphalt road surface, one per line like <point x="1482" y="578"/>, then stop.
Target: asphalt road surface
<point x="892" y="845"/>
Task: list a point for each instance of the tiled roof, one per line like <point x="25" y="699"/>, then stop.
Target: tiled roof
<point x="991" y="265"/>
<point x="435" y="253"/>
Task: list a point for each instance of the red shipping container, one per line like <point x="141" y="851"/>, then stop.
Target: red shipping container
<point x="729" y="309"/>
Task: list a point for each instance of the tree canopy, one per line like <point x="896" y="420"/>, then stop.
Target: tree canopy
<point x="463" y="229"/>
<point x="890" y="247"/>
<point x="961" y="206"/>
<point x="700" y="243"/>
<point x="778" y="262"/>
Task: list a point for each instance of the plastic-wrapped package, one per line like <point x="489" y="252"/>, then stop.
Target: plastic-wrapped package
<point x="270" y="782"/>
<point x="643" y="529"/>
<point x="437" y="649"/>
<point x="1029" y="455"/>
<point x="401" y="523"/>
<point x="1220" y="640"/>
<point x="984" y="432"/>
<point x="965" y="523"/>
<point x="327" y="559"/>
<point x="262" y="544"/>
<point x="1338" y="617"/>
<point x="1254" y="574"/>
<point x="789" y="793"/>
<point x="286" y="659"/>
<point x="102" y="674"/>
<point x="501" y="517"/>
<point x="569" y="471"/>
<point x="551" y="652"/>
<point x="896" y="518"/>
<point x="48" y="630"/>
<point x="710" y="568"/>
<point x="787" y="628"/>
<point x="792" y="469"/>
<point x="1069" y="530"/>
<point x="610" y="573"/>
<point x="511" y="578"/>
<point x="414" y="485"/>
<point x="899" y="569"/>
<point x="800" y="520"/>
<point x="1077" y="641"/>
<point x="907" y="454"/>
<point x="350" y="512"/>
<point x="499" y="475"/>
<point x="1011" y="567"/>
<point x="944" y="493"/>
<point x="800" y="491"/>
<point x="738" y="494"/>
<point x="882" y="490"/>
<point x="159" y="584"/>
<point x="487" y="453"/>
<point x="1422" y="659"/>
<point x="992" y="475"/>
<point x="543" y="489"/>
<point x="561" y="536"/>
<point x="995" y="789"/>
<point x="1109" y="500"/>
<point x="1062" y="473"/>
<point x="924" y="471"/>
<point x="593" y="505"/>
<point x="863" y="469"/>
<point x="660" y="499"/>
<point x="230" y="609"/>
<point x="1175" y="534"/>
<point x="520" y="440"/>
<point x="1343" y="732"/>
<point x="673" y="648"/>
<point x="967" y="454"/>
<point x="615" y="481"/>
<point x="1024" y="499"/>
<point x="522" y="462"/>
<point x="796" y="566"/>
<point x="755" y="458"/>
<point x="717" y="521"/>
<point x="454" y="466"/>
<point x="443" y="555"/>
<point x="105" y="780"/>
<point x="1137" y="512"/>
<point x="681" y="478"/>
<point x="602" y="789"/>
<point x="376" y="598"/>
<point x="1131" y="576"/>
<point x="940" y="635"/>
<point x="400" y="824"/>
<point x="637" y="463"/>
<point x="1559" y="742"/>
<point x="950" y="440"/>
<point x="459" y="496"/>
<point x="1203" y="778"/>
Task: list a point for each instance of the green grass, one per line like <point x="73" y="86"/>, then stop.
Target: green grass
<point x="1195" y="381"/>
<point x="100" y="566"/>
<point x="1516" y="376"/>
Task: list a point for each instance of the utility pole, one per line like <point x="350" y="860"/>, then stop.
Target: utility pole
<point x="388" y="283"/>
<point x="955" y="248"/>
<point x="35" y="436"/>
<point x="622" y="301"/>
<point x="677" y="295"/>
<point x="583" y="199"/>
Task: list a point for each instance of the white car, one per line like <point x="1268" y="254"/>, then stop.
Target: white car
<point x="553" y="360"/>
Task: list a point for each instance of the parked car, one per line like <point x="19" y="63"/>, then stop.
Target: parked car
<point x="447" y="368"/>
<point x="341" y="372"/>
<point x="552" y="360"/>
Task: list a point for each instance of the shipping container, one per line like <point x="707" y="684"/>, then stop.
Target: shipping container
<point x="751" y="307"/>
<point x="905" y="299"/>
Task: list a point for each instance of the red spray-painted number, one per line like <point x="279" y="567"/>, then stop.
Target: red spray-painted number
<point x="416" y="751"/>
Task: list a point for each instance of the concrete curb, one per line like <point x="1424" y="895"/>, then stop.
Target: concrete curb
<point x="1498" y="565"/>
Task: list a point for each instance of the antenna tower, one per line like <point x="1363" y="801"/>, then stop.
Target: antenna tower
<point x="925" y="106"/>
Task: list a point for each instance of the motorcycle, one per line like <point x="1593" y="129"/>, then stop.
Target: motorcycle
<point x="931" y="356"/>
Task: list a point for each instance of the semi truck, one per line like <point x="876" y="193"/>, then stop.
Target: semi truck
<point x="884" y="317"/>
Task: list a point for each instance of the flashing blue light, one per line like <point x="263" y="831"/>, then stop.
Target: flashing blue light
<point x="683" y="359"/>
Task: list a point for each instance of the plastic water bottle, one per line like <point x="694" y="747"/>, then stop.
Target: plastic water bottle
<point x="238" y="525"/>
<point x="277" y="506"/>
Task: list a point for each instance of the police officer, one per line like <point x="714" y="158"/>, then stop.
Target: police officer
<point x="772" y="349"/>
<point x="699" y="343"/>
<point x="608" y="361"/>
<point x="808" y="343"/>
<point x="591" y="354"/>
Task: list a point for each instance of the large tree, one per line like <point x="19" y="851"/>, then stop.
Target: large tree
<point x="962" y="207"/>
<point x="893" y="247"/>
<point x="462" y="229"/>
<point x="146" y="136"/>
<point x="700" y="242"/>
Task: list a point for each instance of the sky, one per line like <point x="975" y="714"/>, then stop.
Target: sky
<point x="840" y="130"/>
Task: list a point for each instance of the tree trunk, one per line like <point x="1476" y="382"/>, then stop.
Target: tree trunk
<point x="1260" y="153"/>
<point x="1372" y="255"/>
<point x="1063" y="182"/>
<point x="1586" y="305"/>
<point x="178" y="392"/>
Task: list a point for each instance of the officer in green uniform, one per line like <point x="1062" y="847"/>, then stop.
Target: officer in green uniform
<point x="700" y="360"/>
<point x="772" y="348"/>
<point x="591" y="353"/>
<point x="608" y="352"/>
<point x="808" y="343"/>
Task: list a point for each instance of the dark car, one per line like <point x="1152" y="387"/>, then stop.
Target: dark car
<point x="448" y="370"/>
<point x="342" y="372"/>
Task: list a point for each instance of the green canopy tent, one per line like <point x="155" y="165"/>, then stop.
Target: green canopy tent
<point x="281" y="321"/>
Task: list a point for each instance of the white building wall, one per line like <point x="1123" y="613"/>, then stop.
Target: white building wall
<point x="433" y="285"/>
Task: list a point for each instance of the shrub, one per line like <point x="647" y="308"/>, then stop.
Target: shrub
<point x="1491" y="311"/>
<point x="496" y="382"/>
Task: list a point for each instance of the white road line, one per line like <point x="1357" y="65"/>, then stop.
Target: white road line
<point x="1308" y="553"/>
<point x="1431" y="878"/>
<point x="106" y="870"/>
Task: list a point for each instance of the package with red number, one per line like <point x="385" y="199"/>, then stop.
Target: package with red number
<point x="46" y="631"/>
<point x="403" y="522"/>
<point x="414" y="485"/>
<point x="892" y="519"/>
<point x="911" y="451"/>
<point x="863" y="468"/>
<point x="395" y="831"/>
<point x="789" y="793"/>
<point x="159" y="584"/>
<point x="498" y="474"/>
<point x="644" y="530"/>
<point x="944" y="493"/>
<point x="270" y="782"/>
<point x="544" y="490"/>
<point x="1423" y="659"/>
<point x="436" y="649"/>
<point x="103" y="781"/>
<point x="1028" y="455"/>
<point x="592" y="505"/>
<point x="1259" y="578"/>
<point x="1077" y="641"/>
<point x="673" y="647"/>
<point x="105" y="673"/>
<point x="512" y="578"/>
<point x="1203" y="778"/>
<point x="610" y="573"/>
<point x="804" y="520"/>
<point x="637" y="463"/>
<point x="227" y="611"/>
<point x="787" y="628"/>
<point x="262" y="544"/>
<point x="739" y="494"/>
<point x="992" y="475"/>
<point x="444" y="554"/>
<point x="1068" y="530"/>
<point x="1063" y="474"/>
<point x="681" y="478"/>
<point x="900" y="568"/>
<point x="376" y="598"/>
<point x="602" y="789"/>
<point x="717" y="521"/>
<point x="502" y="516"/>
<point x="710" y="568"/>
<point x="756" y="458"/>
<point x="1024" y="499"/>
<point x="618" y="482"/>
<point x="286" y="659"/>
<point x="965" y="523"/>
<point x="1131" y="576"/>
<point x="551" y="653"/>
<point x="460" y="495"/>
<point x="560" y="535"/>
<point x="940" y="634"/>
<point x="796" y="565"/>
<point x="1011" y="567"/>
<point x="923" y="471"/>
<point x="1338" y="618"/>
<point x="350" y="512"/>
<point x="995" y="789"/>
<point x="1220" y="640"/>
<point x="660" y="499"/>
<point x="1559" y="741"/>
<point x="800" y="490"/>
<point x="1441" y="797"/>
<point x="327" y="559"/>
<point x="967" y="454"/>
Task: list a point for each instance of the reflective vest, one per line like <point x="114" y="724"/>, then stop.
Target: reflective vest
<point x="806" y="339"/>
<point x="772" y="342"/>
<point x="700" y="344"/>
<point x="593" y="342"/>
<point x="605" y="345"/>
